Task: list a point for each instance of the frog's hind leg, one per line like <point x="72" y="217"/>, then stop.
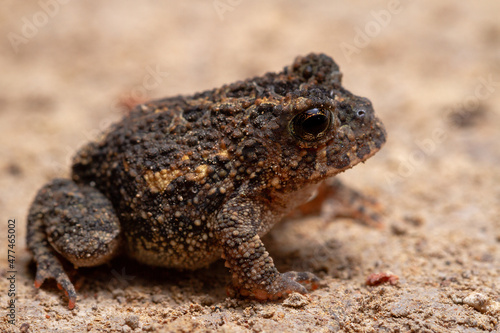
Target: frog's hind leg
<point x="76" y="221"/>
<point x="334" y="199"/>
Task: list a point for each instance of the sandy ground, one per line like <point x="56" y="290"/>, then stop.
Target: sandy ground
<point x="432" y="70"/>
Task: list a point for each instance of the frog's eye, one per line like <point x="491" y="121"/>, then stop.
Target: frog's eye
<point x="310" y="125"/>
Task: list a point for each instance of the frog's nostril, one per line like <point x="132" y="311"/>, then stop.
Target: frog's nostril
<point x="361" y="113"/>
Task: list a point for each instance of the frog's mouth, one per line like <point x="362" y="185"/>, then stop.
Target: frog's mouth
<point x="349" y="150"/>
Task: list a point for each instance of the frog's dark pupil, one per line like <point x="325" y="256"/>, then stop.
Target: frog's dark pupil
<point x="310" y="125"/>
<point x="315" y="124"/>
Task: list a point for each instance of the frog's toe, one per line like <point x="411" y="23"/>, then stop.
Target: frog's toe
<point x="306" y="279"/>
<point x="285" y="284"/>
<point x="51" y="268"/>
<point x="65" y="284"/>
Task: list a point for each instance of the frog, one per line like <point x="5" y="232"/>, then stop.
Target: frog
<point x="183" y="181"/>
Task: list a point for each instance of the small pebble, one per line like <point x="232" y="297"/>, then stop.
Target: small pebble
<point x="482" y="303"/>
<point x="157" y="298"/>
<point x="376" y="279"/>
<point x="296" y="300"/>
<point x="399" y="229"/>
<point x="267" y="313"/>
<point x="132" y="321"/>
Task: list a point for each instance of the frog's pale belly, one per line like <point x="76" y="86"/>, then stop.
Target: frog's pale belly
<point x="173" y="256"/>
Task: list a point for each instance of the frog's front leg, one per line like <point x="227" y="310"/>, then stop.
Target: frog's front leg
<point x="76" y="221"/>
<point x="253" y="271"/>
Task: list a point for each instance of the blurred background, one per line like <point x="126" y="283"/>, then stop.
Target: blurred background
<point x="431" y="69"/>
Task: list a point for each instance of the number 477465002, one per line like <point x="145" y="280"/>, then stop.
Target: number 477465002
<point x="11" y="238"/>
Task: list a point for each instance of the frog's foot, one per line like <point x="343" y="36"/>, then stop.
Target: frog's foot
<point x="285" y="284"/>
<point x="76" y="221"/>
<point x="364" y="210"/>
